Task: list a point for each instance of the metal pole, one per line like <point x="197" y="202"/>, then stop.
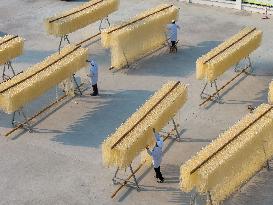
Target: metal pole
<point x="209" y="198"/>
<point x="131" y="169"/>
<point x="114" y="178"/>
<point x="66" y="38"/>
<point x="26" y="121"/>
<point x="218" y="95"/>
<point x="77" y="85"/>
<point x="175" y="127"/>
<point x="203" y="90"/>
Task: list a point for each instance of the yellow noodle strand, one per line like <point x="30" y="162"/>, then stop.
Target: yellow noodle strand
<point x="80" y="19"/>
<point x="10" y="49"/>
<point x="218" y="65"/>
<point x="236" y="163"/>
<point x="141" y="136"/>
<point x="139" y="38"/>
<point x="22" y="93"/>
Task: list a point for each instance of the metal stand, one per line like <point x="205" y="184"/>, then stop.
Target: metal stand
<point x="63" y="38"/>
<point x="117" y="180"/>
<point x="203" y="95"/>
<point x="25" y="124"/>
<point x="247" y="64"/>
<point x="77" y="85"/>
<point x="193" y="198"/>
<point x="209" y="201"/>
<point x="101" y="21"/>
<point x="175" y="127"/>
<point x="7" y="66"/>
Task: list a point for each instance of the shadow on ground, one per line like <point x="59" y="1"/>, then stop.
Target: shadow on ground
<point x="89" y="131"/>
<point x="185" y="60"/>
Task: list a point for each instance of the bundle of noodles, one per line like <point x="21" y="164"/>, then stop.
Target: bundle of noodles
<point x="138" y="36"/>
<point x="79" y="17"/>
<point x="136" y="133"/>
<point x="218" y="60"/>
<point x="10" y="47"/>
<point x="270" y="93"/>
<point x="233" y="158"/>
<point x="36" y="80"/>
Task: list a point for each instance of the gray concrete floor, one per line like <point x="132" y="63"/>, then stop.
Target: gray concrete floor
<point x="60" y="162"/>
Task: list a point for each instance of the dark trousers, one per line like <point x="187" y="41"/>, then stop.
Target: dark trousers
<point x="95" y="89"/>
<point x="173" y="43"/>
<point x="158" y="174"/>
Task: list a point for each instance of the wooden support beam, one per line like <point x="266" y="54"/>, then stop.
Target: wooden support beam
<point x="127" y="24"/>
<point x="13" y="37"/>
<point x="64" y="16"/>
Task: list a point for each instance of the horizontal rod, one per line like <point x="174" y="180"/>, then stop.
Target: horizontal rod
<point x="13" y="37"/>
<point x="235" y="137"/>
<point x="11" y="86"/>
<point x="229" y="46"/>
<point x="120" y="27"/>
<point x="150" y="110"/>
<point x="85" y="40"/>
<point x="211" y="96"/>
<point x="64" y="16"/>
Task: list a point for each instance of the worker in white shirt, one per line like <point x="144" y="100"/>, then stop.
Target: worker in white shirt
<point x="156" y="154"/>
<point x="94" y="76"/>
<point x="172" y="34"/>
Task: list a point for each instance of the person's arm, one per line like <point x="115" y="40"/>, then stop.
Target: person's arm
<point x="149" y="151"/>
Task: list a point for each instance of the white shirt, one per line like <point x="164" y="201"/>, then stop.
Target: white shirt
<point x="156" y="154"/>
<point x="94" y="72"/>
<point x="172" y="31"/>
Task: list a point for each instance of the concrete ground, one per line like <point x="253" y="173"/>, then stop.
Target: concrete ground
<point x="60" y="162"/>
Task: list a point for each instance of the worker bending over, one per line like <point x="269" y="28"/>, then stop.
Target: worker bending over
<point x="156" y="154"/>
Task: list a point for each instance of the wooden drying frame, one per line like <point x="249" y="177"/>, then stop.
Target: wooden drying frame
<point x="160" y="100"/>
<point x="235" y="137"/>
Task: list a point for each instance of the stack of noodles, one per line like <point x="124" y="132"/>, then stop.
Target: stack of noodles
<point x="218" y="60"/>
<point x="270" y="93"/>
<point x="36" y="80"/>
<point x="79" y="17"/>
<point x="138" y="36"/>
<point x="155" y="113"/>
<point x="228" y="168"/>
<point x="10" y="47"/>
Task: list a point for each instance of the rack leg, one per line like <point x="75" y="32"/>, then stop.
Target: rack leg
<point x="201" y="95"/>
<point x="13" y="119"/>
<point x="10" y="66"/>
<point x="60" y="44"/>
<point x="177" y="133"/>
<point x="77" y="85"/>
<point x="114" y="178"/>
<point x="249" y="65"/>
<point x="27" y="123"/>
<point x="215" y="85"/>
<point x="66" y="38"/>
<point x="125" y="59"/>
<point x="193" y="199"/>
<point x="4" y="71"/>
<point x="107" y="19"/>
<point x="209" y="201"/>
<point x="131" y="169"/>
